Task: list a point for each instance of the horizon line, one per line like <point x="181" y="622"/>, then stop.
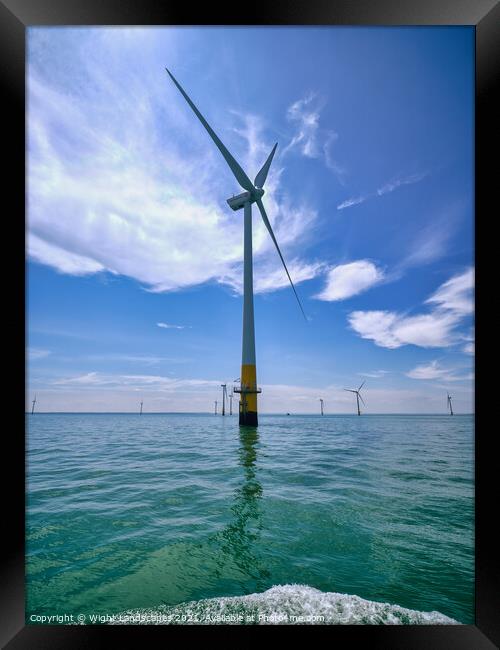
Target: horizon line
<point x="227" y="414"/>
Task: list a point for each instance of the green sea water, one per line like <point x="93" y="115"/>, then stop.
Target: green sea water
<point x="338" y="514"/>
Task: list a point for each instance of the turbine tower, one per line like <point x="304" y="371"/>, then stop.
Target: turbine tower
<point x="215" y="412"/>
<point x="224" y="395"/>
<point x="449" y="404"/>
<point x="358" y="396"/>
<point x="248" y="387"/>
<point x="321" y="404"/>
<point x="33" y="406"/>
<point x="140" y="412"/>
<point x="231" y="401"/>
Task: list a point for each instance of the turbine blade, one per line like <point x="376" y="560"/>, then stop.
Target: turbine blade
<point x="270" y="230"/>
<point x="362" y="399"/>
<point x="349" y="390"/>
<point x="260" y="179"/>
<point x="362" y="385"/>
<point x="238" y="172"/>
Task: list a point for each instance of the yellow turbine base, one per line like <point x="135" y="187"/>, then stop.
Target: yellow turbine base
<point x="248" y="401"/>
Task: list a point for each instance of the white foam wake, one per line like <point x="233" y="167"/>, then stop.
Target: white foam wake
<point x="283" y="604"/>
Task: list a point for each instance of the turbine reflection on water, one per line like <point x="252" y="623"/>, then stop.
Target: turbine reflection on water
<point x="240" y="537"/>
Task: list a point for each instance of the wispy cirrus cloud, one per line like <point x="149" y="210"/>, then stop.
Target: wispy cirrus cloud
<point x="312" y="140"/>
<point x="125" y="191"/>
<point x="272" y="276"/>
<point x="451" y="303"/>
<point x="136" y="382"/>
<point x="469" y="348"/>
<point x="169" y="326"/>
<point x="144" y="359"/>
<point x="350" y="202"/>
<point x="388" y="187"/>
<point x="374" y="374"/>
<point x="430" y="242"/>
<point x="106" y="392"/>
<point x="455" y="295"/>
<point x="305" y="116"/>
<point x="346" y="280"/>
<point x="398" y="182"/>
<point x="37" y="353"/>
<point x="434" y="370"/>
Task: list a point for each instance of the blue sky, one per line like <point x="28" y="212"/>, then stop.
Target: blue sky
<point x="135" y="259"/>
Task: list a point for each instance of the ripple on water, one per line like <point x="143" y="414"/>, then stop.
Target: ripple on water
<point x="124" y="514"/>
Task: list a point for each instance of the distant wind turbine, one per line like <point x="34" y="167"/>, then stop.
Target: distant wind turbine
<point x="215" y="412"/>
<point x="224" y="395"/>
<point x="449" y="404"/>
<point x="33" y="406"/>
<point x="140" y="412"/>
<point x="254" y="191"/>
<point x="321" y="404"/>
<point x="231" y="401"/>
<point x="358" y="396"/>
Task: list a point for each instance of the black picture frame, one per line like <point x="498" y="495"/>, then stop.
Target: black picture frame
<point x="15" y="17"/>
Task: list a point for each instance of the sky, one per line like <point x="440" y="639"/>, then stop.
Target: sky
<point x="134" y="258"/>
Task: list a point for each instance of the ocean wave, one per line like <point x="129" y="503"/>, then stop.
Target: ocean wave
<point x="282" y="604"/>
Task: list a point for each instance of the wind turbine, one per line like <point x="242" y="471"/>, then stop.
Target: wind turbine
<point x="224" y="395"/>
<point x="33" y="406"/>
<point x="231" y="401"/>
<point x="215" y="412"/>
<point x="321" y="404"/>
<point x="254" y="191"/>
<point x="358" y="396"/>
<point x="140" y="412"/>
<point x="449" y="404"/>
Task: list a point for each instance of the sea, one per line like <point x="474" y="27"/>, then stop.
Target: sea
<point x="192" y="519"/>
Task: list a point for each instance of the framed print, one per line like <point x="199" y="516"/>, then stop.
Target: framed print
<point x="247" y="269"/>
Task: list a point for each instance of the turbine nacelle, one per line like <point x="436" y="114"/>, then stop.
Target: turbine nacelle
<point x="237" y="202"/>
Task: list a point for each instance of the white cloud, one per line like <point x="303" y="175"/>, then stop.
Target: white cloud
<point x="374" y="374"/>
<point x="37" y="353"/>
<point x="346" y="280"/>
<point x="392" y="330"/>
<point x="272" y="276"/>
<point x="168" y="326"/>
<point x="144" y="359"/>
<point x="277" y="279"/>
<point x="398" y="182"/>
<point x="385" y="189"/>
<point x="87" y="378"/>
<point x="375" y="325"/>
<point x="470" y="345"/>
<point x="387" y="329"/>
<point x="469" y="348"/>
<point x="349" y="202"/>
<point x="107" y="393"/>
<point x="431" y="241"/>
<point x="456" y="295"/>
<point x="434" y="370"/>
<point x="59" y="258"/>
<point x="310" y="139"/>
<point x="306" y="117"/>
<point x="428" y="246"/>
<point x="125" y="191"/>
<point x="330" y="161"/>
<point x="134" y="382"/>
